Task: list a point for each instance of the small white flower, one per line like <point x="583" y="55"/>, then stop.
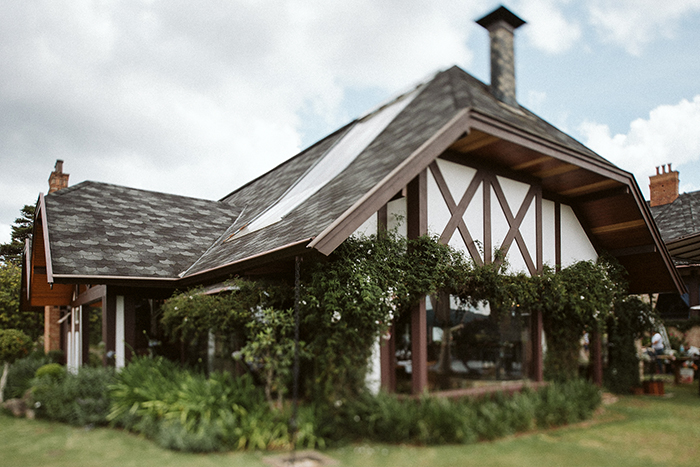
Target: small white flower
<point x="336" y="316"/>
<point x="338" y="403"/>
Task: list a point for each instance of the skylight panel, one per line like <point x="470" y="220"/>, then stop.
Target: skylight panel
<point x="333" y="162"/>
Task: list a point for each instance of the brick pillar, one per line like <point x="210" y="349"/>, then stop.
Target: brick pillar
<point x="52" y="328"/>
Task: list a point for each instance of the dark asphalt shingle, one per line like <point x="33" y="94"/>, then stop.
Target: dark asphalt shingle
<point x="99" y="229"/>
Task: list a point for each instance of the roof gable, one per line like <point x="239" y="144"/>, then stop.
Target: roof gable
<point x="680" y="218"/>
<point x="97" y="229"/>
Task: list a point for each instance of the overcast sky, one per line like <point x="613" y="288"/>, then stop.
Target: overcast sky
<point x="198" y="97"/>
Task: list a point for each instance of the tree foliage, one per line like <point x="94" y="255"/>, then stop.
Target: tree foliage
<point x="11" y="317"/>
<point x="575" y="300"/>
<point x="630" y="319"/>
<point x="14" y="344"/>
<point x="21" y="230"/>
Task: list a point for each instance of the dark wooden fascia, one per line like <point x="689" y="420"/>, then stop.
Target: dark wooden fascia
<point x="240" y="266"/>
<point x="47" y="244"/>
<point x="490" y="125"/>
<point x="378" y="196"/>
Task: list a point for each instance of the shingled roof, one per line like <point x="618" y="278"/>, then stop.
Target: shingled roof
<point x="679" y="224"/>
<point x="680" y="218"/>
<point x="99" y="230"/>
<point x="438" y="100"/>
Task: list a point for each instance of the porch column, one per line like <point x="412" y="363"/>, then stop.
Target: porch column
<point x="596" y="359"/>
<point x="129" y="327"/>
<point x="387" y="343"/>
<point x="52" y="328"/>
<point x="387" y="355"/>
<point x="417" y="225"/>
<point x="109" y="317"/>
<point x="537" y="354"/>
<point x="84" y="311"/>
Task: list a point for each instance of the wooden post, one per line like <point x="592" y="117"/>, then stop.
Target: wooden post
<point x="417" y="225"/>
<point x="537" y="354"/>
<point x="387" y="356"/>
<point x="596" y="359"/>
<point x="109" y="316"/>
<point x="129" y="326"/>
<point x="85" y="333"/>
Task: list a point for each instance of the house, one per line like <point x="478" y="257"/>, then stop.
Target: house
<point x="452" y="156"/>
<point x="678" y="219"/>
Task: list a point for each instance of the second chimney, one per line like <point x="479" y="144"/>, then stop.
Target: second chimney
<point x="500" y="24"/>
<point x="663" y="187"/>
<point x="58" y="180"/>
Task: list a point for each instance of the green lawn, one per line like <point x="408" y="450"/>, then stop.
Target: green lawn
<point x="634" y="431"/>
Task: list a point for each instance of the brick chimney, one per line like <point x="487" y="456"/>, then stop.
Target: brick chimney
<point x="58" y="180"/>
<point x="501" y="23"/>
<point x="663" y="187"/>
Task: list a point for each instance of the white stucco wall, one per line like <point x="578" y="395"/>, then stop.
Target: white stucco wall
<point x="575" y="245"/>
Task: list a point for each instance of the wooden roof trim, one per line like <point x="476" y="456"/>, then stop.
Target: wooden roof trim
<point x="656" y="235"/>
<point x="27" y="267"/>
<point x="72" y="278"/>
<point x="249" y="261"/>
<point x="488" y="124"/>
<point x="618" y="227"/>
<point x="398" y="178"/>
<point x="45" y="232"/>
<point x="491" y="125"/>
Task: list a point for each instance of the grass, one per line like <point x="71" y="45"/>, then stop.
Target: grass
<point x="635" y="430"/>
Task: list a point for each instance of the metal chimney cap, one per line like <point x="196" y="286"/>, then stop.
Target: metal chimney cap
<point x="501" y="14"/>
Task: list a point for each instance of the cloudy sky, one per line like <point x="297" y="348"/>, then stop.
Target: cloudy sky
<point x="197" y="98"/>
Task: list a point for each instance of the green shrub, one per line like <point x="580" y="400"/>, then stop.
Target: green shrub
<point x="78" y="399"/>
<point x="51" y="370"/>
<point x="14" y="344"/>
<point x="186" y="411"/>
<point x="430" y="420"/>
<point x="21" y="373"/>
<point x="183" y="410"/>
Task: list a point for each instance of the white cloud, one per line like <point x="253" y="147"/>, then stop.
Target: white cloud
<point x="197" y="98"/>
<point x="633" y="23"/>
<point x="669" y="135"/>
<point x="549" y="30"/>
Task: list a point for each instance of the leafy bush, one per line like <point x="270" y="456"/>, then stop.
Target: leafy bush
<point x="631" y="318"/>
<point x="183" y="410"/>
<point x="51" y="370"/>
<point x="21" y="373"/>
<point x="387" y="418"/>
<point x="78" y="399"/>
<point x="14" y="344"/>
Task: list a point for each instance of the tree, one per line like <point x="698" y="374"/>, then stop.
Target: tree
<point x="21" y="230"/>
<point x="11" y="317"/>
<point x="14" y="344"/>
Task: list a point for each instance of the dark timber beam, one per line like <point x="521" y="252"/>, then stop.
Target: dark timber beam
<point x="417" y="225"/>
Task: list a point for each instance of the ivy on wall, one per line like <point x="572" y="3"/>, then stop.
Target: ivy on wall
<point x="350" y="299"/>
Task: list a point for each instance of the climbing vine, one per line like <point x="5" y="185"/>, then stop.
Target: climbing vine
<point x="349" y="299"/>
